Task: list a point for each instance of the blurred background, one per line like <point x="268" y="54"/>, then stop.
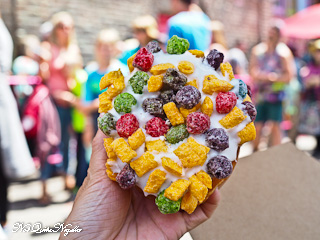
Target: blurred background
<point x="53" y="54"/>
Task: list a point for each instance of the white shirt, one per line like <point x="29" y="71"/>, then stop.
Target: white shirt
<point x="6" y="48"/>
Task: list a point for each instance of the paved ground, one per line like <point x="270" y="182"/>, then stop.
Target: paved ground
<point x="26" y="209"/>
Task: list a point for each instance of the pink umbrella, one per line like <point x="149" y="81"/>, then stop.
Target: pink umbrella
<point x="304" y="24"/>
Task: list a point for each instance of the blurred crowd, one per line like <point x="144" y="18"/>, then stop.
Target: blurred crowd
<point x="49" y="98"/>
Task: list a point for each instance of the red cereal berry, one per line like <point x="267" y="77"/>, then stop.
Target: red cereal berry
<point x="127" y="125"/>
<point x="225" y="102"/>
<point x="156" y="127"/>
<point x="197" y="123"/>
<point x="143" y="60"/>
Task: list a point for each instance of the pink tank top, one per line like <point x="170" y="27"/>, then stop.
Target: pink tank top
<point x="58" y="79"/>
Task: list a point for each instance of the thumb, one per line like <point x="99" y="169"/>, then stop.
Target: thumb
<point x="203" y="212"/>
<point x="99" y="155"/>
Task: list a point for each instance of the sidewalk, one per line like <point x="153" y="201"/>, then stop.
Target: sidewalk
<point x="24" y="208"/>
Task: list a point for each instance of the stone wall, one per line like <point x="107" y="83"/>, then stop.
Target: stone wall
<point x="243" y="19"/>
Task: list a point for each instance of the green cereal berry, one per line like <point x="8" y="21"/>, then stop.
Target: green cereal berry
<point x="177" y="134"/>
<point x="166" y="205"/>
<point x="107" y="123"/>
<point x="177" y="45"/>
<point x="138" y="81"/>
<point x="123" y="103"/>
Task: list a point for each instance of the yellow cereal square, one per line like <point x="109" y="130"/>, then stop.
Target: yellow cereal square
<point x="189" y="203"/>
<point x="155" y="180"/>
<point x="171" y="166"/>
<point x="105" y="104"/>
<point x="130" y="61"/>
<point x="155" y="83"/>
<point x="197" y="53"/>
<point x="109" y="78"/>
<point x="188" y="157"/>
<point x="221" y="86"/>
<point x="198" y="189"/>
<point x="200" y="149"/>
<point x="207" y="106"/>
<point x="161" y="68"/>
<point x="247" y="99"/>
<point x="247" y="134"/>
<point x="186" y="67"/>
<point x="156" y="145"/>
<point x="136" y="139"/>
<point x="212" y="84"/>
<point x="176" y="190"/>
<point x="208" y="84"/>
<point x="111" y="175"/>
<point x="144" y="164"/>
<point x="185" y="112"/>
<point x="192" y="83"/>
<point x="204" y="178"/>
<point x="233" y="118"/>
<point x="226" y="68"/>
<point x="173" y="113"/>
<point x="123" y="150"/>
<point x="107" y="146"/>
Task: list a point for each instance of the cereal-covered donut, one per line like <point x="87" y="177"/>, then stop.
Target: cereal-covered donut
<point x="174" y="126"/>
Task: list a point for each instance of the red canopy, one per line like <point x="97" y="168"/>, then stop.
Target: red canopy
<point x="304" y="24"/>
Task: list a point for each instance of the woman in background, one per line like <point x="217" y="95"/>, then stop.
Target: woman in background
<point x="145" y="29"/>
<point x="310" y="97"/>
<point x="63" y="55"/>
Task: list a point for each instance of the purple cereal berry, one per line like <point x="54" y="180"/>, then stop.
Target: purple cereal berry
<point x="250" y="109"/>
<point x="174" y="80"/>
<point x="197" y="123"/>
<point x="217" y="139"/>
<point x="167" y="96"/>
<point x="126" y="178"/>
<point x="215" y="58"/>
<point x="153" y="47"/>
<point x="154" y="106"/>
<point x="219" y="167"/>
<point x="188" y="97"/>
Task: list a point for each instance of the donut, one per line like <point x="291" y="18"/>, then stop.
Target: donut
<point x="175" y="124"/>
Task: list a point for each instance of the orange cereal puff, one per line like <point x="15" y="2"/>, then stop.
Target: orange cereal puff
<point x="226" y="69"/>
<point x="155" y="180"/>
<point x="173" y="113"/>
<point x="130" y="61"/>
<point x="144" y="164"/>
<point x="177" y="189"/>
<point x="197" y="53"/>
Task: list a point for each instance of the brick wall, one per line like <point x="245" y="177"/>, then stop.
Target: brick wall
<point x="240" y="17"/>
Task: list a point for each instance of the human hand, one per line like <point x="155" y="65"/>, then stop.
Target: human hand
<point x="105" y="211"/>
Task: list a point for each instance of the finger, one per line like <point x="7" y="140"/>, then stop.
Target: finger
<point x="99" y="155"/>
<point x="203" y="212"/>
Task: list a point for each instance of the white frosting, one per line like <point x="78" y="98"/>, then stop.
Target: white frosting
<point x="201" y="69"/>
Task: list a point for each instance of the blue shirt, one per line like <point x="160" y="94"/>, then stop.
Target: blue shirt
<point x="92" y="90"/>
<point x="193" y="26"/>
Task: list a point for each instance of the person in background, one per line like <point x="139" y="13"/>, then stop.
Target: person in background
<point x="145" y="29"/>
<point x="218" y="40"/>
<point x="190" y="23"/>
<point x="63" y="54"/>
<point x="310" y="97"/>
<point x="271" y="67"/>
<point x="105" y="53"/>
<point x="237" y="53"/>
<point x="13" y="144"/>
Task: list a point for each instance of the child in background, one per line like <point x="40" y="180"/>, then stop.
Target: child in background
<point x="105" y="52"/>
